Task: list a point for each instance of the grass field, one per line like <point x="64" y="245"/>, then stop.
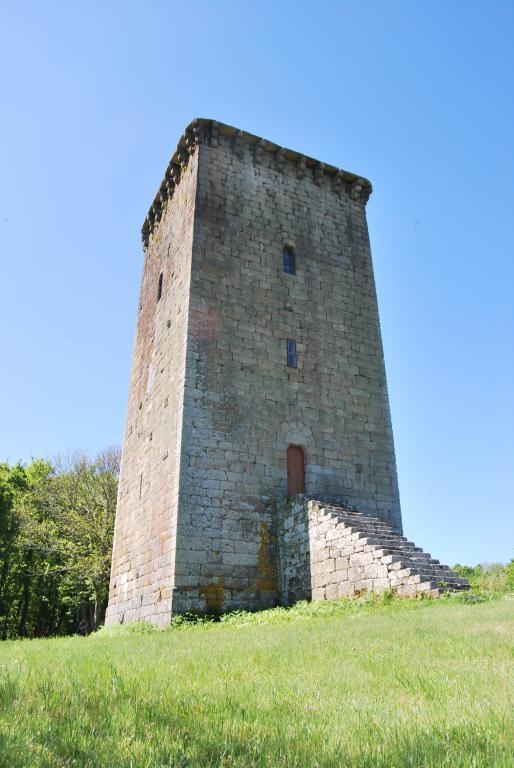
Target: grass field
<point x="410" y="683"/>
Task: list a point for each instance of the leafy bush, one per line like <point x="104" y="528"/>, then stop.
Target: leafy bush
<point x="472" y="597"/>
<point x="491" y="578"/>
<point x="142" y="628"/>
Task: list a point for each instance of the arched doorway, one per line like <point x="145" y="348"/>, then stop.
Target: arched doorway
<point x="295" y="470"/>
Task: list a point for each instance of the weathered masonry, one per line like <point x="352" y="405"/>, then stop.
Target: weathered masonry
<point x="257" y="375"/>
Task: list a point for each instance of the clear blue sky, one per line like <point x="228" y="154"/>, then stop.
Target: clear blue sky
<point x="417" y="96"/>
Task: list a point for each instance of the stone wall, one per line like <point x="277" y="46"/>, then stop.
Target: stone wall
<point x="144" y="550"/>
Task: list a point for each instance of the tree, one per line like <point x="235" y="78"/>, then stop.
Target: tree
<point x="86" y="493"/>
<point x="13" y="482"/>
<point x="56" y="531"/>
<point x="488" y="577"/>
<point x="509" y="570"/>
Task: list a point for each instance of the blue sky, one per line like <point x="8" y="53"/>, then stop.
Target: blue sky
<point x="417" y="96"/>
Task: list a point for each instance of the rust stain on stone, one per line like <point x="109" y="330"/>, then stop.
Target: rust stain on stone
<point x="214" y="596"/>
<point x="266" y="566"/>
<point x="204" y="322"/>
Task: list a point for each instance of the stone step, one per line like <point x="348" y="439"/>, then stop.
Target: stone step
<point x="412" y="556"/>
<point x="425" y="567"/>
<point x="412" y="574"/>
<point x="404" y="550"/>
<point x="411" y="565"/>
<point x="351" y="518"/>
<point x="361" y="523"/>
<point x="437" y="577"/>
<point x="415" y="589"/>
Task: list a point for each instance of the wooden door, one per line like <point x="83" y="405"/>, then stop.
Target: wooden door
<point x="295" y="470"/>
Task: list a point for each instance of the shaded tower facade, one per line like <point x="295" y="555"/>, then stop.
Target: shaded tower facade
<point x="257" y="373"/>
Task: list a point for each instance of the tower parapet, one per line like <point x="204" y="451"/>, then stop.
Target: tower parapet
<point x="201" y="129"/>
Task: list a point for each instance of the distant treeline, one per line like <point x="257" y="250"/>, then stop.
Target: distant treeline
<point x="56" y="530"/>
<point x="488" y="577"/>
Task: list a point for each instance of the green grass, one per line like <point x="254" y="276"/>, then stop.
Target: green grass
<point x="411" y="683"/>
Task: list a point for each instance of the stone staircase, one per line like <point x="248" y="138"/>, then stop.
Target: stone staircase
<point x="331" y="550"/>
<point x="409" y="569"/>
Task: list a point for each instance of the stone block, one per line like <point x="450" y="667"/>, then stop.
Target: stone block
<point x="342" y="563"/>
<point x="336" y="576"/>
<point x="363" y="585"/>
<point x="362" y="558"/>
<point x="381" y="584"/>
<point x="331" y="591"/>
<point x="344" y="588"/>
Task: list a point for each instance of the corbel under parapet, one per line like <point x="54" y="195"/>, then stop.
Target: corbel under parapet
<point x="260" y="150"/>
<point x="319" y="170"/>
<point x="360" y="190"/>
<point x="301" y="167"/>
<point x="239" y="143"/>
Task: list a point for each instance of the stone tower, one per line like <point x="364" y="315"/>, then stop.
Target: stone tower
<point x="257" y="374"/>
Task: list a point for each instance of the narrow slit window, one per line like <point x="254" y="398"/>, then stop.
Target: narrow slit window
<point x="288" y="260"/>
<point x="292" y="361"/>
<point x="140" y="484"/>
<point x="159" y="288"/>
